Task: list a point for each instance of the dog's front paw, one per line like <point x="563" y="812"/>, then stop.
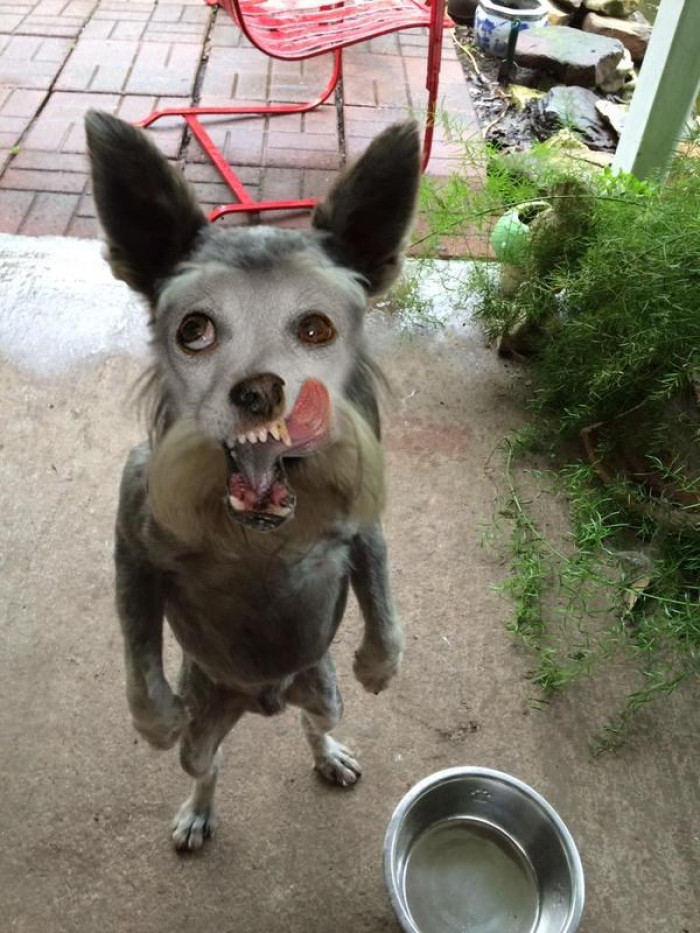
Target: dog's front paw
<point x="159" y="717"/>
<point x="192" y="826"/>
<point x="375" y="666"/>
<point x="336" y="764"/>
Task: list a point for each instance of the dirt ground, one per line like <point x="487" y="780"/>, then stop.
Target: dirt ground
<point x="86" y="806"/>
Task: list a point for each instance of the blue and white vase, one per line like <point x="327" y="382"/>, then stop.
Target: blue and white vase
<point x="493" y="22"/>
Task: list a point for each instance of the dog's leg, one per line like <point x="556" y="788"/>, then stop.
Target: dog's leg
<point x="379" y="655"/>
<point x="213" y="713"/>
<point x="158" y="715"/>
<point x="316" y="692"/>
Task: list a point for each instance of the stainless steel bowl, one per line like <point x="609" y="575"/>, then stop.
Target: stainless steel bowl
<point x="471" y="850"/>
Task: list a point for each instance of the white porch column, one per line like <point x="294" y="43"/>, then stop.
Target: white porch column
<point x="669" y="82"/>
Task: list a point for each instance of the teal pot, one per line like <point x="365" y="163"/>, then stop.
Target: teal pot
<point x="511" y="235"/>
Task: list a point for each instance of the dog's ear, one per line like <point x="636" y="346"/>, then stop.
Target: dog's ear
<point x="368" y="212"/>
<point x="148" y="211"/>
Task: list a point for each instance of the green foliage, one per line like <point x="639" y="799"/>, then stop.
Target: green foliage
<point x="607" y="593"/>
<point x="610" y="294"/>
<point x="613" y="282"/>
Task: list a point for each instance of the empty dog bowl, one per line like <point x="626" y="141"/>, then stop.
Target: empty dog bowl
<point x="471" y="850"/>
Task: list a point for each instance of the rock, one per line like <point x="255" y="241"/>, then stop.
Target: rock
<point x="626" y="92"/>
<point x="573" y="108"/>
<point x="614" y="114"/>
<point x="621" y="8"/>
<point x="572" y="56"/>
<point x="567" y="152"/>
<point x="462" y="11"/>
<point x="566" y="142"/>
<point x="567" y="147"/>
<point x="625" y="68"/>
<point x="634" y="36"/>
<point x="556" y="15"/>
<point x="522" y="95"/>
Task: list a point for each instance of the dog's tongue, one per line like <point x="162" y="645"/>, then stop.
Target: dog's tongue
<point x="310" y="420"/>
<point x="308" y="426"/>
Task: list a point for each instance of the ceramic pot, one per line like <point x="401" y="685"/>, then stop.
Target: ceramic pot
<point x="511" y="234"/>
<point x="511" y="238"/>
<point x="493" y="22"/>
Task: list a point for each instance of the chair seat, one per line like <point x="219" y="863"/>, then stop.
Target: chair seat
<point x="296" y="29"/>
<point x="299" y="29"/>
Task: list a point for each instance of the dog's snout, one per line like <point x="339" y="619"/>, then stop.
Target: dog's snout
<point x="262" y="395"/>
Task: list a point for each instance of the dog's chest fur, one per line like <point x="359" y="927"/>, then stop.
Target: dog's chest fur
<point x="257" y="619"/>
<point x="253" y="608"/>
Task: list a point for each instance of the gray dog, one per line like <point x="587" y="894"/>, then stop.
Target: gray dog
<point x="257" y="500"/>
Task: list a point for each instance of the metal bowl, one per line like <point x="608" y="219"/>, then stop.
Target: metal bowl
<point x="471" y="850"/>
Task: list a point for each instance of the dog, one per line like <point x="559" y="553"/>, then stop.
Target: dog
<point x="255" y="504"/>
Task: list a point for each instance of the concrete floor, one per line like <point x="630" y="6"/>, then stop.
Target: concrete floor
<point x="86" y="807"/>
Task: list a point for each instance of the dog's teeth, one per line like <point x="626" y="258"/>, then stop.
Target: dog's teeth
<point x="252" y="437"/>
<point x="242" y="439"/>
<point x="284" y="435"/>
<point x="262" y="435"/>
<point x="236" y="504"/>
<point x="275" y="430"/>
<point x="280" y="510"/>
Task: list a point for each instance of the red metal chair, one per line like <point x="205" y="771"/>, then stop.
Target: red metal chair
<point x="304" y="29"/>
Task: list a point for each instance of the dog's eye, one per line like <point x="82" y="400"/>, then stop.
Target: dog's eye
<point x="196" y="332"/>
<point x="316" y="330"/>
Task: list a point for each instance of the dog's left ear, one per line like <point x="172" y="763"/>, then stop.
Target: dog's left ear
<point x="147" y="210"/>
<point x="369" y="211"/>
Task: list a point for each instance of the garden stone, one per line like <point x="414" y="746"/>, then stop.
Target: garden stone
<point x="621" y="8"/>
<point x="623" y="73"/>
<point x="522" y="96"/>
<point x="634" y="36"/>
<point x="575" y="109"/>
<point x="566" y="150"/>
<point x="614" y="114"/>
<point x="557" y="15"/>
<point x="572" y="56"/>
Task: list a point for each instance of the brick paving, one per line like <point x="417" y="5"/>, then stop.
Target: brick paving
<point x="58" y="58"/>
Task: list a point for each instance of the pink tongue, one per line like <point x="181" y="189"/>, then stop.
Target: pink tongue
<point x="309" y="422"/>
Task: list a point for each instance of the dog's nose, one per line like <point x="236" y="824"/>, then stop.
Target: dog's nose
<point x="262" y="395"/>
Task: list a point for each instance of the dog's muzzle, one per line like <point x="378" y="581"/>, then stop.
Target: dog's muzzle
<point x="259" y="495"/>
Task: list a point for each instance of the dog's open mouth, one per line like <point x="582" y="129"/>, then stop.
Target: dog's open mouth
<point x="258" y="492"/>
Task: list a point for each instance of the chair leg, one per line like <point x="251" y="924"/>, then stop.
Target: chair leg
<point x="432" y="81"/>
<point x="191" y="116"/>
<point x="430" y="123"/>
<point x="252" y="109"/>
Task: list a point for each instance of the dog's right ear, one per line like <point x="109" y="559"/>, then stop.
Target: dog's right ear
<point x="148" y="211"/>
